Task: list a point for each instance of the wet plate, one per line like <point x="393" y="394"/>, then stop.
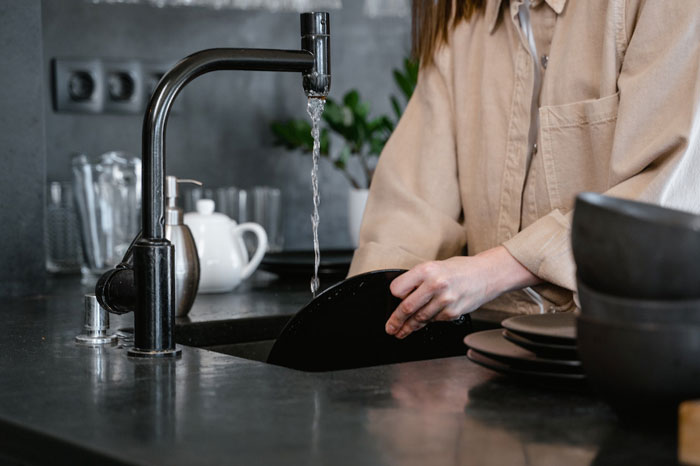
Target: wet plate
<point x="558" y="328"/>
<point x="343" y="328"/>
<point x="504" y="368"/>
<point x="492" y="344"/>
<point x="334" y="262"/>
<point x="543" y="349"/>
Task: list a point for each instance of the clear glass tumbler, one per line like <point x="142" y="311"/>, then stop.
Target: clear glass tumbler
<point x="261" y="204"/>
<point x="265" y="208"/>
<point x="108" y="199"/>
<point x="62" y="234"/>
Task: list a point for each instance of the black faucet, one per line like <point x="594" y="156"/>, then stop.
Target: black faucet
<point x="144" y="281"/>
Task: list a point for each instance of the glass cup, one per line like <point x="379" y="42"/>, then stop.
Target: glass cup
<point x="265" y="207"/>
<point x="261" y="204"/>
<point x="108" y="199"/>
<point x="62" y="234"/>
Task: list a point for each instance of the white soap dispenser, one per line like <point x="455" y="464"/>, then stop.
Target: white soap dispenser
<point x="186" y="259"/>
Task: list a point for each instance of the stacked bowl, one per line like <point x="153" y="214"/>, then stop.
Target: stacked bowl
<point x="638" y="333"/>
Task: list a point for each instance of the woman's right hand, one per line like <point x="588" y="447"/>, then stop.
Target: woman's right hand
<point x="445" y="290"/>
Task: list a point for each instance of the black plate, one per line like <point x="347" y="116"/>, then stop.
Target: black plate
<point x="504" y="368"/>
<point x="543" y="349"/>
<point x="492" y="344"/>
<point x="557" y="328"/>
<point x="343" y="328"/>
<point x="334" y="262"/>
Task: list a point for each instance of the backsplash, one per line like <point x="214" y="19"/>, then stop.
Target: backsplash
<point x="219" y="130"/>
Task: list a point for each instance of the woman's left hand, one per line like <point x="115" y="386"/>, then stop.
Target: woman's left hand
<point x="445" y="290"/>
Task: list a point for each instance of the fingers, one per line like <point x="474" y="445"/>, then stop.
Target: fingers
<point x="420" y="318"/>
<point x="440" y="308"/>
<point x="409" y="306"/>
<point x="405" y="283"/>
<point x="424" y="294"/>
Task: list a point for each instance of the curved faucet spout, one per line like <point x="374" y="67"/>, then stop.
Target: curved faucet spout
<point x="155" y="121"/>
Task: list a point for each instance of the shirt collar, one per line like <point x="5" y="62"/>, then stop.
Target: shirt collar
<point x="493" y="8"/>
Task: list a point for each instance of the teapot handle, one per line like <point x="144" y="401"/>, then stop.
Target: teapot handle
<point x="260" y="250"/>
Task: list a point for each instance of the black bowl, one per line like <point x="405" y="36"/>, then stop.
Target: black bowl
<point x="632" y="249"/>
<point x="610" y="308"/>
<point x="643" y="370"/>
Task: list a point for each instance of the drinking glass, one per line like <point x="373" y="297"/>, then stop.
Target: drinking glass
<point x="265" y="208"/>
<point x="62" y="234"/>
<point x="260" y="204"/>
<point x="108" y="199"/>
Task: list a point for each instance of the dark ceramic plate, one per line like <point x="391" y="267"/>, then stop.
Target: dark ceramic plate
<point x="543" y="349"/>
<point x="334" y="262"/>
<point x="343" y="328"/>
<point x="558" y="328"/>
<point x="492" y="344"/>
<point x="504" y="368"/>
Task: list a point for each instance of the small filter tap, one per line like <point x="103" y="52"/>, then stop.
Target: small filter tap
<point x="96" y="324"/>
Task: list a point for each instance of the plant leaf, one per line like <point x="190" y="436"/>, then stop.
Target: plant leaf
<point x="404" y="83"/>
<point x="396" y="106"/>
<point x="293" y="134"/>
<point x="351" y="98"/>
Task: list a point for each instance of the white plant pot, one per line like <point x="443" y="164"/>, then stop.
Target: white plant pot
<point x="357" y="199"/>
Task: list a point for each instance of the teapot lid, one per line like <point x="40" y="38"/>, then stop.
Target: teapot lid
<point x="205" y="215"/>
<point x="205" y="206"/>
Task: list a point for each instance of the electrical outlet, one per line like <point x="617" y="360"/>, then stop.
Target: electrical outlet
<point x="152" y="73"/>
<point x="123" y="86"/>
<point x="78" y="85"/>
<point x="107" y="86"/>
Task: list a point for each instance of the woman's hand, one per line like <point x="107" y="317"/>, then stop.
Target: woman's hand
<point x="444" y="290"/>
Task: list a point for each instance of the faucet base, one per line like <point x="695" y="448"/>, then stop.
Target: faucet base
<point x="134" y="352"/>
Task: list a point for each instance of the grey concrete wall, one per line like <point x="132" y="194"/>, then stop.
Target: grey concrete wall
<point x="220" y="136"/>
<point x="22" y="149"/>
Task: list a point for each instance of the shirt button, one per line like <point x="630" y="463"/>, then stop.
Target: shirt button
<point x="545" y="60"/>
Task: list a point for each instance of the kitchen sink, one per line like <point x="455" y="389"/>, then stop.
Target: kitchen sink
<point x="249" y="338"/>
<point x="254" y="337"/>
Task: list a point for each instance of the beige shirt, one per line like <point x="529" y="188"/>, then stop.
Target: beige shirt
<point x="619" y="113"/>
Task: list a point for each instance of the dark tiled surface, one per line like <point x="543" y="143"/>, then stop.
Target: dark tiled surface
<point x="22" y="149"/>
<point x="65" y="404"/>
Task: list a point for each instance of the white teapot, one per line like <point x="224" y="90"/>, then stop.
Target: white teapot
<point x="223" y="257"/>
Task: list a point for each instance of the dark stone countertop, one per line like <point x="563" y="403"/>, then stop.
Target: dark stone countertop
<point x="61" y="403"/>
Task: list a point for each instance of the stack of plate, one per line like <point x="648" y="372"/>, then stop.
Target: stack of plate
<point x="541" y="347"/>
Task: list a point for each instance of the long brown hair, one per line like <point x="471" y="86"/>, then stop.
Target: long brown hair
<point x="432" y="21"/>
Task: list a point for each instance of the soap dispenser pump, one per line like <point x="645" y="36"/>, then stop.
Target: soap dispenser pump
<point x="186" y="260"/>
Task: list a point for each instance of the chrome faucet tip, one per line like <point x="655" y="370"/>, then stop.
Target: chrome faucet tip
<point x="316" y="38"/>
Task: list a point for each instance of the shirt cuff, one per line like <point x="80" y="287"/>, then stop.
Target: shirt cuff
<point x="544" y="248"/>
<point x="377" y="256"/>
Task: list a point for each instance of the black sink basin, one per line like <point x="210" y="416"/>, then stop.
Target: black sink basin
<point x="248" y="338"/>
<point x="253" y="338"/>
<point x="342" y="328"/>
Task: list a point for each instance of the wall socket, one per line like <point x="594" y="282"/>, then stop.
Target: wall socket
<point x="123" y="87"/>
<point x="104" y="86"/>
<point x="78" y="86"/>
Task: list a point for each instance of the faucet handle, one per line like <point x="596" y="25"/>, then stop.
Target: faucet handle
<point x="96" y="324"/>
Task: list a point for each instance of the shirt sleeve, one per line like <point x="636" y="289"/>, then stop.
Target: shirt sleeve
<point x="656" y="146"/>
<point x="414" y="211"/>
